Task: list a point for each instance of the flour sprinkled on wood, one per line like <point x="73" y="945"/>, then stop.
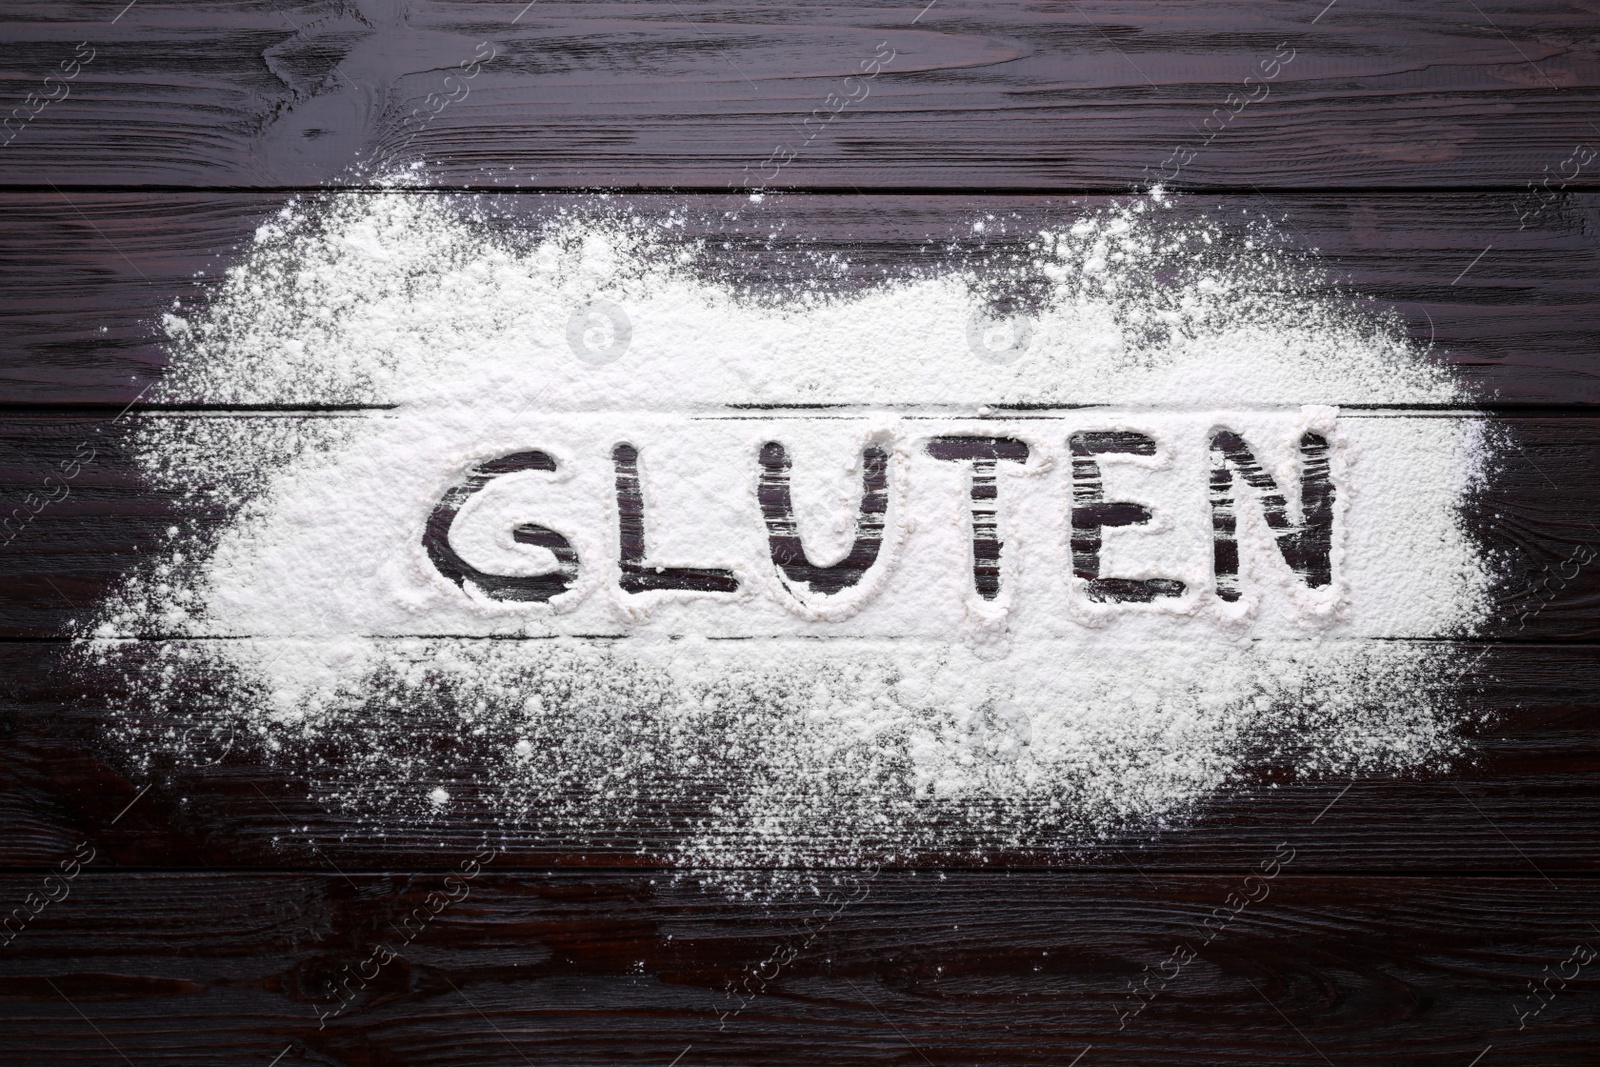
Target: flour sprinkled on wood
<point x="961" y="562"/>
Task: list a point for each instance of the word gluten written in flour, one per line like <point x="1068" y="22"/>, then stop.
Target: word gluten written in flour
<point x="998" y="478"/>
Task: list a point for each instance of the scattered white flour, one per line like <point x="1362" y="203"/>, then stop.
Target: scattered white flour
<point x="903" y="716"/>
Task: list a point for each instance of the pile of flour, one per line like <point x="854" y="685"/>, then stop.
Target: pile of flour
<point x="301" y="617"/>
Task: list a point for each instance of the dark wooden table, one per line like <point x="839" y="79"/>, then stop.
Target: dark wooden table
<point x="1433" y="152"/>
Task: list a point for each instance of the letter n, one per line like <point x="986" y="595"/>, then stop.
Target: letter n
<point x="1307" y="545"/>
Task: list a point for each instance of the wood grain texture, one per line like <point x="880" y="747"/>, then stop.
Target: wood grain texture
<point x="89" y="275"/>
<point x="223" y="901"/>
<point x="1539" y="509"/>
<point x="1520" y="799"/>
<point x="1090" y="95"/>
<point x="970" y="967"/>
<point x="1531" y="771"/>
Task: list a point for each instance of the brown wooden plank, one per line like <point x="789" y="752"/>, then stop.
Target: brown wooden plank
<point x="968" y="967"/>
<point x="88" y="276"/>
<point x="977" y="95"/>
<point x="1521" y="799"/>
<point x="63" y="781"/>
<point x="1532" y="776"/>
<point x="1538" y="512"/>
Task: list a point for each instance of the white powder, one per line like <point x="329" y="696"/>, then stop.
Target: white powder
<point x="904" y="715"/>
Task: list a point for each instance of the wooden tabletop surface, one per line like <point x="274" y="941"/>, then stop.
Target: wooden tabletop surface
<point x="1441" y="157"/>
